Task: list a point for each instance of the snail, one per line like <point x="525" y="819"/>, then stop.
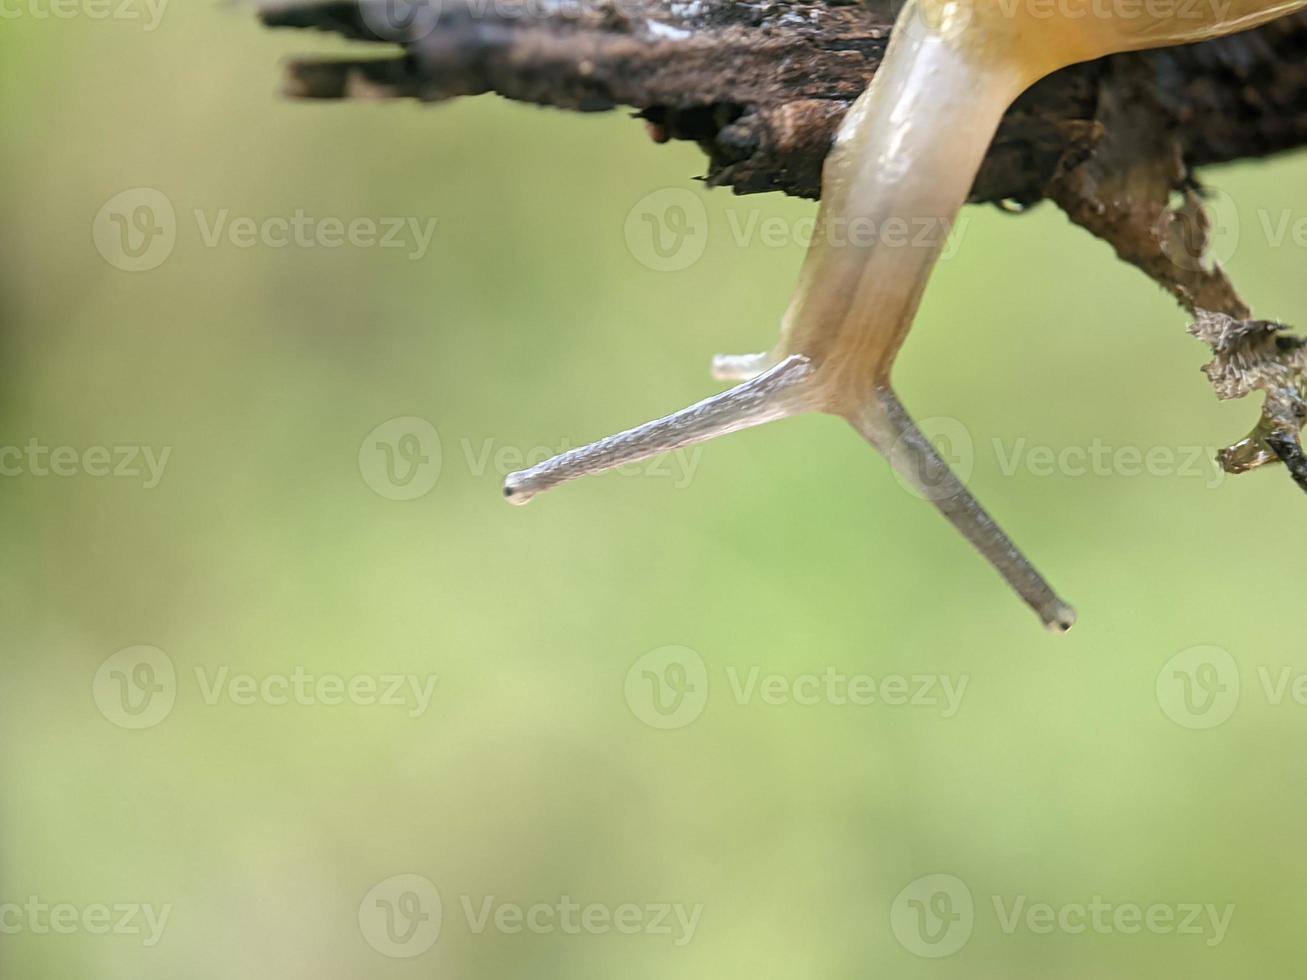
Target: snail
<point x="907" y="151"/>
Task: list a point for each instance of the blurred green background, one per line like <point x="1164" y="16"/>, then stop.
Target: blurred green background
<point x="565" y="750"/>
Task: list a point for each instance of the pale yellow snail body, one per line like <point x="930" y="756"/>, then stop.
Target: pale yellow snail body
<point x="906" y="156"/>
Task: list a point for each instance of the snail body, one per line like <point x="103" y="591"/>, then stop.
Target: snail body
<point x="906" y="156"/>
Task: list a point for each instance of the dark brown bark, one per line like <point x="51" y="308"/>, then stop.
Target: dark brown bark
<point x="762" y="86"/>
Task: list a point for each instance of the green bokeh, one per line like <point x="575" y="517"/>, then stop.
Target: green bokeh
<point x="788" y="550"/>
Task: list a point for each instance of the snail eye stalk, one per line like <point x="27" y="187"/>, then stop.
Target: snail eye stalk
<point x="775" y="394"/>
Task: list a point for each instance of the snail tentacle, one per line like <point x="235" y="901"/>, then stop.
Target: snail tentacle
<point x="783" y="391"/>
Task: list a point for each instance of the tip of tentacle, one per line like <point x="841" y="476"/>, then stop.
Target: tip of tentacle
<point x="515" y="491"/>
<point x="1060" y="619"/>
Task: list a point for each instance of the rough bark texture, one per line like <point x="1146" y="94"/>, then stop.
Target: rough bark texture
<point x="762" y="86"/>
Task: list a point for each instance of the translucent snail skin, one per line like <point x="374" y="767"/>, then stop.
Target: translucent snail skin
<point x="907" y="155"/>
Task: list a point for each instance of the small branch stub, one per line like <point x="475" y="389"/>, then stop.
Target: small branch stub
<point x="1252" y="356"/>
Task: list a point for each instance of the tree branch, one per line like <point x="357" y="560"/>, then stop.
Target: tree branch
<point x="761" y="87"/>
